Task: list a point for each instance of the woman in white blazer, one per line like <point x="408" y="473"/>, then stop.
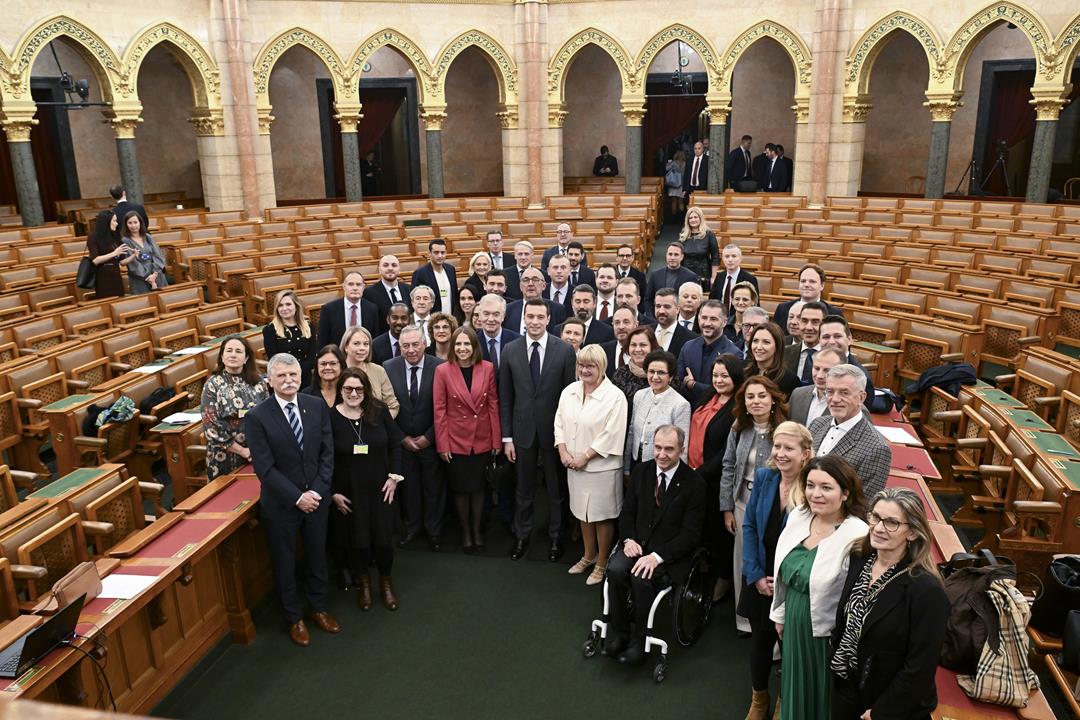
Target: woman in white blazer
<point x="811" y="566"/>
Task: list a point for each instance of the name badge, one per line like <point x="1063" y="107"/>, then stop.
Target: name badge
<point x="359" y="449"/>
<point x="444" y="293"/>
<point x="243" y="412"/>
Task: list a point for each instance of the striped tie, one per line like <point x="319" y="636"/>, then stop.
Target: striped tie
<point x="294" y="423"/>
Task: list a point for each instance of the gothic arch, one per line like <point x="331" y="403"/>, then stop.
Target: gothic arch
<point x="966" y="37"/>
<point x="274" y="49"/>
<point x="427" y="84"/>
<point x="497" y="56"/>
<point x="1068" y="46"/>
<point x="200" y="67"/>
<point x="788" y="39"/>
<point x="665" y="37"/>
<point x="860" y="61"/>
<point x="561" y="61"/>
<point x="102" y="60"/>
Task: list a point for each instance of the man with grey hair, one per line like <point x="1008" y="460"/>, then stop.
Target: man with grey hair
<point x="492" y="335"/>
<point x="423" y="495"/>
<point x="691" y="296"/>
<point x="808" y="402"/>
<point x="423" y="300"/>
<point x="523" y="257"/>
<point x="752" y="318"/>
<point x="845" y="432"/>
<point x="292" y="450"/>
<point x="532" y="288"/>
<point x="790" y="328"/>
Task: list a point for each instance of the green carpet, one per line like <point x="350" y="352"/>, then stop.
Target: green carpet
<point x="474" y="638"/>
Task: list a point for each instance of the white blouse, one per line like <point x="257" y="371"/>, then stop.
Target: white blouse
<point x="597" y="422"/>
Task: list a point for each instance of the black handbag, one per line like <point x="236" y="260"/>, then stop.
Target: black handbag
<point x="86" y="275"/>
<point x="1060" y="595"/>
<point x="1070" y="643"/>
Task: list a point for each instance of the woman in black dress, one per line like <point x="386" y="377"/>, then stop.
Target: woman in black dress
<point x="289" y="332"/>
<point x="329" y="362"/>
<point x="106" y="251"/>
<point x="701" y="255"/>
<point x="766" y="357"/>
<point x="367" y="469"/>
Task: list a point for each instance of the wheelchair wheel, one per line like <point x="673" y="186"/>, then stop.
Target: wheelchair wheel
<point x="660" y="670"/>
<point x="591" y="645"/>
<point x="694" y="603"/>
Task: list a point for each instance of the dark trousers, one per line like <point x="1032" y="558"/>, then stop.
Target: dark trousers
<point x="283" y="526"/>
<point x="621" y="582"/>
<point x="762" y="641"/>
<point x="527" y="461"/>
<point x="423" y="494"/>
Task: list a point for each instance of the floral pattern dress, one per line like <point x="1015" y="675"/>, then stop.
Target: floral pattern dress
<point x="226" y="399"/>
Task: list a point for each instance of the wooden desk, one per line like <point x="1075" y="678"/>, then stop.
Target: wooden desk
<point x="63" y="428"/>
<point x="914" y="459"/>
<point x="176" y="439"/>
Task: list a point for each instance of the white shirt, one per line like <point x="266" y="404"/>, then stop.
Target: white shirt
<point x="664" y="335"/>
<point x="444" y="290"/>
<point x="423" y="323"/>
<point x="668" y="474"/>
<point x="396" y="288"/>
<point x="836" y="433"/>
<point x="802" y="357"/>
<point x="818" y="406"/>
<point x="528" y="356"/>
<point x="349" y="305"/>
<point x="562" y="293"/>
<point x="772" y="163"/>
<point x="600" y="300"/>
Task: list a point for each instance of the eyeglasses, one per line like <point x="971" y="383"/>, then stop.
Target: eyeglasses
<point x="658" y="373"/>
<point x="352" y="390"/>
<point x="330" y="364"/>
<point x="891" y="524"/>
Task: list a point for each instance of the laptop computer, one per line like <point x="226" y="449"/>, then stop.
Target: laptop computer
<point x="58" y="630"/>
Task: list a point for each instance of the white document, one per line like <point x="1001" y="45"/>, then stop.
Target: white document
<point x="899" y="436"/>
<point x="183" y="418"/>
<point x="190" y="350"/>
<point x="125" y="587"/>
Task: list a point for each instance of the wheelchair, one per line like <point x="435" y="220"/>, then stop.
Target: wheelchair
<point x="690" y="607"/>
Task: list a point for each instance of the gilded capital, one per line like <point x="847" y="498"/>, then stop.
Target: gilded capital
<point x="1048" y="101"/>
<point x="265" y="120"/>
<point x="211" y="125"/>
<point x="718" y="114"/>
<point x="508" y="118"/>
<point x="433" y="119"/>
<point x="349" y="121"/>
<point x="124" y="126"/>
<point x="634" y="114"/>
<point x="856" y="108"/>
<point x="556" y="116"/>
<point x="19" y="130"/>
<point x="942" y="107"/>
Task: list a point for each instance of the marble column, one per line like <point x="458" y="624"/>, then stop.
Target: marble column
<point x="433" y="122"/>
<point x="718" y="117"/>
<point x="350" y="153"/>
<point x="22" y="166"/>
<point x="124" y="127"/>
<point x="1047" y="109"/>
<point x="634" y="114"/>
<point x="942" y="110"/>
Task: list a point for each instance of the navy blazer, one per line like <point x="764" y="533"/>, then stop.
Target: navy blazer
<point x="425" y="275"/>
<point x="513" y="282"/>
<point x="758" y="507"/>
<point x="419" y="419"/>
<point x="780" y="317"/>
<point x="679" y="337"/>
<point x="657" y="280"/>
<point x="285" y="471"/>
<point x="633" y="272"/>
<point x="735" y="168"/>
<point x="597" y="333"/>
<point x="717" y="290"/>
<point x="586" y="276"/>
<point x="382" y="349"/>
<point x="505" y="338"/>
<point x="378" y="296"/>
<point x="332" y="321"/>
<point x="694" y="356"/>
<point x="512" y="321"/>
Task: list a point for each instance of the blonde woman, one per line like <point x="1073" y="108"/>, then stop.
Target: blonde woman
<point x="701" y="254"/>
<point x="479" y="267"/>
<point x="289" y="332"/>
<point x="356" y="344"/>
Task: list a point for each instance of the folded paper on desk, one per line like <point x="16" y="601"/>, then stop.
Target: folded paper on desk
<point x="182" y="418"/>
<point x="125" y="587"/>
<point x="190" y="350"/>
<point x="900" y="436"/>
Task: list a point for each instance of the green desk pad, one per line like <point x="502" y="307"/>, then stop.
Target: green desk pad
<point x="74" y="479"/>
<point x="1025" y="419"/>
<point x="876" y="347"/>
<point x="1068" y="470"/>
<point x="69" y="401"/>
<point x="1051" y="444"/>
<point x="998" y="397"/>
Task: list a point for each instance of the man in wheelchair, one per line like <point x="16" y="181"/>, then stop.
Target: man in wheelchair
<point x="660" y="526"/>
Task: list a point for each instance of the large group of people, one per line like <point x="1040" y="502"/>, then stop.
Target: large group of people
<point x="657" y="423"/>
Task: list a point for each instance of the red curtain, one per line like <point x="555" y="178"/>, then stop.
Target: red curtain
<point x="380" y="105"/>
<point x="666" y="117"/>
<point x="1012" y="119"/>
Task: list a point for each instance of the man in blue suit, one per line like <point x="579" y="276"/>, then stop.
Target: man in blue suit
<point x="532" y="288"/>
<point x="493" y="336"/>
<point x="697" y="356"/>
<point x="439" y="276"/>
<point x="292" y="449"/>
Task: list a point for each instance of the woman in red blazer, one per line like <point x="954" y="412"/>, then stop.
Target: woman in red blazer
<point x="467" y="430"/>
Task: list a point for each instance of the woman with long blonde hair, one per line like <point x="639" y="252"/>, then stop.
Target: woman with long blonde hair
<point x="701" y="254"/>
<point x="289" y="332"/>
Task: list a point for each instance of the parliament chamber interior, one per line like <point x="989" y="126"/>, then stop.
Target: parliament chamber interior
<point x="223" y="157"/>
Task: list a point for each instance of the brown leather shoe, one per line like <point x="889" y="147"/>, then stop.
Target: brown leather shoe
<point x="363" y="598"/>
<point x="324" y="622"/>
<point x="298" y="633"/>
<point x="387" y="589"/>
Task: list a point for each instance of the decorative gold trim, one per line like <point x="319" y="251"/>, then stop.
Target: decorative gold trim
<point x="634" y="114"/>
<point x="104" y="63"/>
<point x="860" y="61"/>
<point x="508" y="117"/>
<point x="797" y="50"/>
<point x="564" y="57"/>
<point x="856" y="108"/>
<point x="501" y="61"/>
<point x="556" y="115"/>
<point x="1068" y="46"/>
<point x="212" y="125"/>
<point x="1048" y="101"/>
<point x="664" y="38"/>
<point x="801" y="108"/>
<point x="265" y="120"/>
<point x="942" y="107"/>
<point x="960" y="46"/>
<point x="427" y="86"/>
<point x="433" y="119"/>
<point x="202" y="71"/>
<point x="18" y="130"/>
<point x="269" y="54"/>
<point x="124" y="126"/>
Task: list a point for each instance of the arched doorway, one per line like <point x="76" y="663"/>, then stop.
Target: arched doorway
<point x="675" y="86"/>
<point x="295" y="136"/>
<point x="762" y="91"/>
<point x="472" y="145"/>
<point x="593" y="116"/>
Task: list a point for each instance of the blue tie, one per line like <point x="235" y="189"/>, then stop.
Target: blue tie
<point x="534" y="365"/>
<point x="808" y="367"/>
<point x="294" y="423"/>
<point x="493" y="352"/>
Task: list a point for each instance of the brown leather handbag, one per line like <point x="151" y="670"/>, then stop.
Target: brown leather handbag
<point x="83" y="579"/>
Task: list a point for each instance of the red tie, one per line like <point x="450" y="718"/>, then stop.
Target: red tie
<point x="352" y="316"/>
<point x="604" y="310"/>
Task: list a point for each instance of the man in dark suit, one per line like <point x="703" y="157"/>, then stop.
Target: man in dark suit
<point x="670" y="334"/>
<point x="339" y="315"/>
<point x="495" y="283"/>
<point x="606" y="280"/>
<point x="738" y="166"/>
<point x="124" y="206"/>
<point x="388" y="290"/>
<point x="846" y="432"/>
<point x="628" y="295"/>
<point x="579" y="273"/>
<point x="672" y="275"/>
<point x="523" y="257"/>
<point x="532" y="375"/>
<point x="492" y="335"/>
<point x="623" y="322"/>
<point x="799" y="357"/>
<point x="789" y="167"/>
<point x="733" y="274"/>
<point x="836" y="334"/>
<point x="439" y="276"/>
<point x="423" y="496"/>
<point x="775" y="172"/>
<point x="563" y="237"/>
<point x="696" y="175"/>
<point x="808" y="402"/>
<point x="691" y="296"/>
<point x="811" y="285"/>
<point x="499" y="260"/>
<point x="584" y="307"/>
<point x="292" y="450"/>
<point x="532" y="287"/>
<point x="697" y="356"/>
<point x="558" y="282"/>
<point x="760" y="163"/>
<point x="387" y="345"/>
<point x="625" y="255"/>
<point x="659" y="529"/>
<point x="605" y="164"/>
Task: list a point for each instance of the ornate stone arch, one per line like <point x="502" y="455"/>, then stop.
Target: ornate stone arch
<point x="788" y="39"/>
<point x="200" y="67"/>
<point x="427" y="84"/>
<point x="275" y="48"/>
<point x="1068" y="46"/>
<point x="103" y="61"/>
<point x="664" y="38"/>
<point x="860" y="61"/>
<point x="963" y="42"/>
<point x="561" y="61"/>
<point x="501" y="62"/>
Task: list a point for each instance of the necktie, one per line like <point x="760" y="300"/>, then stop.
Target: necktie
<point x="534" y="364"/>
<point x="396" y="350"/>
<point x="562" y="250"/>
<point x="414" y="385"/>
<point x="661" y="337"/>
<point x="685" y="324"/>
<point x="746" y="163"/>
<point x="294" y="423"/>
<point x="661" y="487"/>
<point x="573" y="278"/>
<point x="556" y="298"/>
<point x="693" y="176"/>
<point x="493" y="352"/>
<point x="808" y="367"/>
<point x="393" y="295"/>
<point x="496" y="261"/>
<point x="604" y="310"/>
<point x="727" y="292"/>
<point x="352" y="316"/>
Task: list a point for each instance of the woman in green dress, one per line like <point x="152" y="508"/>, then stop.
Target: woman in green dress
<point x="810" y="568"/>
